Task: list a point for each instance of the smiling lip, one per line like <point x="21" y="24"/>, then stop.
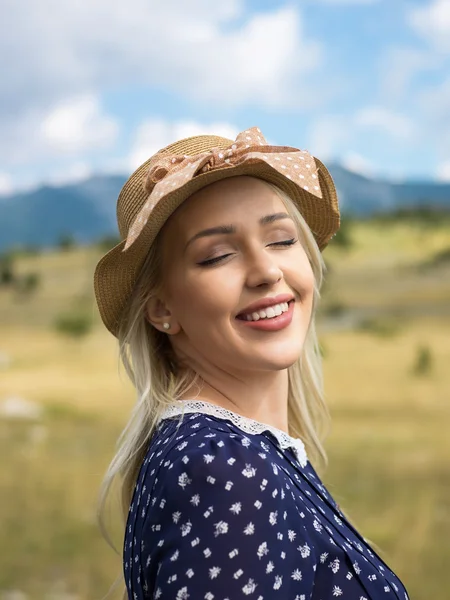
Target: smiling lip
<point x="273" y="324"/>
<point x="264" y="303"/>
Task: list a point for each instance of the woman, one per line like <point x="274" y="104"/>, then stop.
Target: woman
<point x="212" y="294"/>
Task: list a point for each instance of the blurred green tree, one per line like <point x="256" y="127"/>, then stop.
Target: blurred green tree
<point x="107" y="242"/>
<point x="76" y="323"/>
<point x="423" y="362"/>
<point x="7" y="273"/>
<point x="28" y="283"/>
<point x="66" y="242"/>
<point x="343" y="237"/>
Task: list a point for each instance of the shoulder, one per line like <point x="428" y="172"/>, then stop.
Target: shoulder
<point x="217" y="503"/>
<point x="205" y="439"/>
<point x="206" y="452"/>
<point x="211" y="469"/>
<point x="195" y="429"/>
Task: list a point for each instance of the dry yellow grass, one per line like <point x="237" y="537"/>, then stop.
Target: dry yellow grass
<point x="388" y="448"/>
<point x="388" y="452"/>
<point x="52" y="369"/>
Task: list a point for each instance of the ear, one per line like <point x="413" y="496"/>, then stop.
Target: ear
<point x="157" y="313"/>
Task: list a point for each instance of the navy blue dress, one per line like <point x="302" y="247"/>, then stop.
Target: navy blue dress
<point x="226" y="507"/>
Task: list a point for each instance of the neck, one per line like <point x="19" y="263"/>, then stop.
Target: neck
<point x="262" y="397"/>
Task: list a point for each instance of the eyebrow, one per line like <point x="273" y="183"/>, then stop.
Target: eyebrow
<point x="229" y="229"/>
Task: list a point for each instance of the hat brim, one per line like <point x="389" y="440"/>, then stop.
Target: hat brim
<point x="117" y="271"/>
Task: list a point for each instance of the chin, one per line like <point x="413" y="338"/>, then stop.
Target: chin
<point x="276" y="360"/>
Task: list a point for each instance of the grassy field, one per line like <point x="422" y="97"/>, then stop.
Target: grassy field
<point x="387" y="385"/>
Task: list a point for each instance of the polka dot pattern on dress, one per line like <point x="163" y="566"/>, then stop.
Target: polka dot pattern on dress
<point x="223" y="509"/>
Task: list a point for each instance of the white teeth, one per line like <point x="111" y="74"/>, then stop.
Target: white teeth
<point x="269" y="312"/>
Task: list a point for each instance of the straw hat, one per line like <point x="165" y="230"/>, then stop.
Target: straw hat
<point x="158" y="187"/>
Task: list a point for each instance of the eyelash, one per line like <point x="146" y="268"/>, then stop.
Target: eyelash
<point x="212" y="261"/>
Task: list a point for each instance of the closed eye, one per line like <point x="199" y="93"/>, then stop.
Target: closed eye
<point x="212" y="261"/>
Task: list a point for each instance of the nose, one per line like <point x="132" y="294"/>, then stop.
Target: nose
<point x="262" y="268"/>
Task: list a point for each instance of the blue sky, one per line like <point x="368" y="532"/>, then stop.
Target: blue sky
<point x="97" y="87"/>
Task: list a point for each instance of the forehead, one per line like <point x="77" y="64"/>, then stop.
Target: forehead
<point x="233" y="199"/>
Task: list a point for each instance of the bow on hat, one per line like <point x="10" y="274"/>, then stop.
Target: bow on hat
<point x="173" y="171"/>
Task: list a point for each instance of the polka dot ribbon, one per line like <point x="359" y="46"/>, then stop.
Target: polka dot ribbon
<point x="173" y="171"/>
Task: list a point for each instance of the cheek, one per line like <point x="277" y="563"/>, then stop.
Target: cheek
<point x="199" y="298"/>
<point x="300" y="274"/>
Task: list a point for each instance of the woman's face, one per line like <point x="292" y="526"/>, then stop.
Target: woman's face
<point x="202" y="300"/>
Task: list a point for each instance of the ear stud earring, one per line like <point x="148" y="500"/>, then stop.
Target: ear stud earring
<point x="166" y="325"/>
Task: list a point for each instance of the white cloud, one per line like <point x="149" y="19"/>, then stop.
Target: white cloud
<point x="154" y="134"/>
<point x="340" y="137"/>
<point x="433" y="23"/>
<point x="358" y="164"/>
<point x="198" y="49"/>
<point x="394" y="125"/>
<point x="262" y="64"/>
<point x="6" y="184"/>
<point x="74" y="173"/>
<point x="434" y="103"/>
<point x="399" y="66"/>
<point x="210" y="52"/>
<point x="327" y="134"/>
<point x="436" y="99"/>
<point x="443" y="172"/>
<point x="68" y="128"/>
<point x="346" y="2"/>
<point x="30" y="180"/>
<point x="78" y="125"/>
<point x="330" y="133"/>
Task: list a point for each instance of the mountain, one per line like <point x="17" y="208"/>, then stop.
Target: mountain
<point x="364" y="197"/>
<point x="40" y="218"/>
<point x="87" y="210"/>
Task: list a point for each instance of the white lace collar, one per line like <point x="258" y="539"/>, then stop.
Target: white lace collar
<point x="244" y="423"/>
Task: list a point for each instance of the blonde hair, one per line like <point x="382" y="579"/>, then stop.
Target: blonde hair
<point x="150" y="362"/>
